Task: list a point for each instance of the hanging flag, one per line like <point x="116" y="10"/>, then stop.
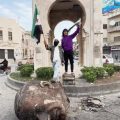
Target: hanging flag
<point x="36" y="27"/>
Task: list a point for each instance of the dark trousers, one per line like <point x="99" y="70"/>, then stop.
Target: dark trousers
<point x="68" y="55"/>
<point x="3" y="68"/>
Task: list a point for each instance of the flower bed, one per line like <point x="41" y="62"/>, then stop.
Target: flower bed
<point x="93" y="74"/>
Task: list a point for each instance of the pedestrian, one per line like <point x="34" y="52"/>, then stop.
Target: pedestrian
<point x="14" y="59"/>
<point x="67" y="45"/>
<point x="4" y="64"/>
<point x="56" y="58"/>
<point x="116" y="57"/>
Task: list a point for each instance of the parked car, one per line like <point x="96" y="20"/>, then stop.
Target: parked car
<point x="107" y="59"/>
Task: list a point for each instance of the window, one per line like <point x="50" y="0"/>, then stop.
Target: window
<point x="10" y="54"/>
<point x="25" y="51"/>
<point x="1" y="35"/>
<point x="117" y="39"/>
<point x="105" y="40"/>
<point x="104" y="26"/>
<point x="22" y="39"/>
<point x="10" y="36"/>
<point x="2" y="54"/>
<point x="27" y="42"/>
<point x="117" y="24"/>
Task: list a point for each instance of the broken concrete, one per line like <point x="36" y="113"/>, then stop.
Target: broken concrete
<point x="91" y="104"/>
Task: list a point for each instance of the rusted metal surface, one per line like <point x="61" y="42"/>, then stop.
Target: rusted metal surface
<point x="41" y="101"/>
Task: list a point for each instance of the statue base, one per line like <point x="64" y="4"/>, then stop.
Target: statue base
<point x="68" y="79"/>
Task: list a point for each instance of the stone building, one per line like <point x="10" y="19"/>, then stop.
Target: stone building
<point x="27" y="46"/>
<point x="12" y="37"/>
<point x="90" y="38"/>
<point x="114" y="32"/>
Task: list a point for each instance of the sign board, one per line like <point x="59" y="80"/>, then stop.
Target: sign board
<point x="110" y="5"/>
<point x="115" y="48"/>
<point x="117" y="2"/>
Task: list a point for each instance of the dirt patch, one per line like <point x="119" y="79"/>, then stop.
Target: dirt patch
<point x="114" y="78"/>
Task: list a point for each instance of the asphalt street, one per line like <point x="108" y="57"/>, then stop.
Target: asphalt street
<point x="7" y="96"/>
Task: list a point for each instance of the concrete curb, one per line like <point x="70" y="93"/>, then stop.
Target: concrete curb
<point x="14" y="84"/>
<point x="75" y="91"/>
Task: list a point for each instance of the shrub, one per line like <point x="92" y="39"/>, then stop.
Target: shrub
<point x="87" y="69"/>
<point x="100" y="72"/>
<point x="117" y="68"/>
<point x="90" y="76"/>
<point x="109" y="69"/>
<point x="26" y="71"/>
<point x="25" y="65"/>
<point x="108" y="65"/>
<point x="45" y="73"/>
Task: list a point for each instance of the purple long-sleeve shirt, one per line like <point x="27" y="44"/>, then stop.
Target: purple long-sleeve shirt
<point x="67" y="43"/>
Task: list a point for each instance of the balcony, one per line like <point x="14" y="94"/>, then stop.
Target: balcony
<point x="113" y="29"/>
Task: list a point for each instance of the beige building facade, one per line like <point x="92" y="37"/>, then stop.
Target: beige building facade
<point x="90" y="38"/>
<point x="12" y="37"/>
<point x="114" y="32"/>
<point x="27" y="46"/>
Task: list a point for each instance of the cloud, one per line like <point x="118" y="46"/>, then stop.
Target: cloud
<point x="7" y="12"/>
<point x="25" y="13"/>
<point x="21" y="11"/>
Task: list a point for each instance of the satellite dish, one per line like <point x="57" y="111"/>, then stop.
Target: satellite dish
<point x="112" y="23"/>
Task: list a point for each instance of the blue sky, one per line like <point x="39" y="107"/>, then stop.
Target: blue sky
<point x="20" y="10"/>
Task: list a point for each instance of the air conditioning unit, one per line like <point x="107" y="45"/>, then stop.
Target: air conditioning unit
<point x="112" y="23"/>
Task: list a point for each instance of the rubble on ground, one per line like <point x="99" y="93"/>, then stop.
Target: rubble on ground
<point x="91" y="104"/>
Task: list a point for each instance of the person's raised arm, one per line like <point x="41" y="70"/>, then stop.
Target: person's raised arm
<point x="76" y="32"/>
<point x="46" y="45"/>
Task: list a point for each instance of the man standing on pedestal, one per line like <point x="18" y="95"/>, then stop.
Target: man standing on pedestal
<point x="56" y="58"/>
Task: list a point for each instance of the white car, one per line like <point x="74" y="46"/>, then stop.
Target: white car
<point x="107" y="59"/>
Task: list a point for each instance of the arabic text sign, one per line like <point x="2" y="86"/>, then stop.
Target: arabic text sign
<point x="110" y="5"/>
<point x="117" y="2"/>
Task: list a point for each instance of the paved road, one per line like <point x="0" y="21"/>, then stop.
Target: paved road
<point x="111" y="111"/>
<point x="112" y="106"/>
<point x="6" y="101"/>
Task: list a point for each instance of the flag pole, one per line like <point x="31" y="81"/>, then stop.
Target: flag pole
<point x="74" y="25"/>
